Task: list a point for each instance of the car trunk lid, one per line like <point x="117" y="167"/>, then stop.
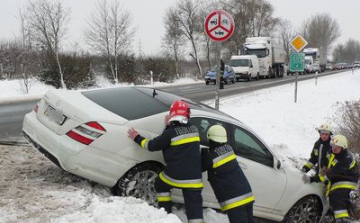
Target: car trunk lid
<point x="62" y="111"/>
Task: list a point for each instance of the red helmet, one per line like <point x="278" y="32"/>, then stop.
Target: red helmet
<point x="179" y="108"/>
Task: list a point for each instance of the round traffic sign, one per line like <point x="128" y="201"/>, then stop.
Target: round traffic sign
<point x="219" y="25"/>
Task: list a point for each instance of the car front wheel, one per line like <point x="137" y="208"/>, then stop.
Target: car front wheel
<point x="307" y="210"/>
<point x="139" y="182"/>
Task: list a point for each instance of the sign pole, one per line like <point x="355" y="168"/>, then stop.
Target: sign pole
<point x="296" y="85"/>
<point x="219" y="26"/>
<point x="218" y="74"/>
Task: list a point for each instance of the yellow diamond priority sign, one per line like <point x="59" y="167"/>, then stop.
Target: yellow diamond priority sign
<point x="298" y="43"/>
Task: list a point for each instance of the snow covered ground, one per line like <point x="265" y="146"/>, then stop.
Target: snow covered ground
<point x="32" y="189"/>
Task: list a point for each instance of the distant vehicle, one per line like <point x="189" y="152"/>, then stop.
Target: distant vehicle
<point x="356" y="64"/>
<point x="337" y="66"/>
<point x="329" y="66"/>
<point x="245" y="67"/>
<point x="271" y="55"/>
<point x="318" y="56"/>
<point x="309" y="64"/>
<point x="316" y="68"/>
<point x="226" y="77"/>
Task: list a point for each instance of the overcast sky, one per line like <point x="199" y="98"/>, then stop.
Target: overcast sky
<point x="148" y="17"/>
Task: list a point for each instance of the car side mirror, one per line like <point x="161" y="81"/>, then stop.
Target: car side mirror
<point x="251" y="66"/>
<point x="278" y="164"/>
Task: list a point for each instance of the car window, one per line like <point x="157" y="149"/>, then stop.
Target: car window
<point x="248" y="146"/>
<point x="130" y="103"/>
<point x="203" y="124"/>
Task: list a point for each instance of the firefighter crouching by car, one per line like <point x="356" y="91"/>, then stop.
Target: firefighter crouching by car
<point x="340" y="177"/>
<point x="228" y="181"/>
<point x="320" y="149"/>
<point x="180" y="145"/>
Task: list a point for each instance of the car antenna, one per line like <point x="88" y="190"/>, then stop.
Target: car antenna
<point x="154" y="93"/>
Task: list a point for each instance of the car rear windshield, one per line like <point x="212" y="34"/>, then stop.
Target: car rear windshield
<point x="130" y="102"/>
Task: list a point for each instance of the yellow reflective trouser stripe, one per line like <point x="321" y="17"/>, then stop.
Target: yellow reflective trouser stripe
<point x="238" y="203"/>
<point x="164" y="199"/>
<point x="186" y="140"/>
<point x="143" y="142"/>
<point x="181" y="183"/>
<point x="345" y="186"/>
<point x="223" y="161"/>
<point x="309" y="165"/>
<point x="341" y="214"/>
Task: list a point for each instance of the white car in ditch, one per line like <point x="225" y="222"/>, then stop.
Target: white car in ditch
<point x="85" y="133"/>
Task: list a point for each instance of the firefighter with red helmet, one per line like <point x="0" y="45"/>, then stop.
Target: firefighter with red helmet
<point x="340" y="177"/>
<point x="180" y="145"/>
<point x="228" y="181"/>
<point x="320" y="149"/>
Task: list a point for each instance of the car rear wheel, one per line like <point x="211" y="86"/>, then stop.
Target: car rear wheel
<point x="307" y="210"/>
<point x="207" y="82"/>
<point x="139" y="182"/>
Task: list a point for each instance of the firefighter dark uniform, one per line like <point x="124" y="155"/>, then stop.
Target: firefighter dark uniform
<point x="180" y="145"/>
<point x="341" y="177"/>
<point x="228" y="181"/>
<point x="320" y="149"/>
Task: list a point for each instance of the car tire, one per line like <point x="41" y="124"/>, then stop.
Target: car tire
<point x="234" y="80"/>
<point x="257" y="76"/>
<point x="308" y="209"/>
<point x="249" y="78"/>
<point x="207" y="82"/>
<point x="139" y="182"/>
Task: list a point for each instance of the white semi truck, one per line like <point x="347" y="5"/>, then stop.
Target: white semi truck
<point x="271" y="55"/>
<point x="319" y="58"/>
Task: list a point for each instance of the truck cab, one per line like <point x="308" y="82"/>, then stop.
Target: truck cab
<point x="271" y="55"/>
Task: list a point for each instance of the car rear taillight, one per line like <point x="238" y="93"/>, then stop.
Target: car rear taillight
<point x="87" y="132"/>
<point x="36" y="108"/>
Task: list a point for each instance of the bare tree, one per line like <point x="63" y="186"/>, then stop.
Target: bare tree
<point x="173" y="39"/>
<point x="252" y="18"/>
<point x="321" y="31"/>
<point x="348" y="52"/>
<point x="287" y="33"/>
<point x="187" y="13"/>
<point x="48" y="21"/>
<point x="109" y="32"/>
<point x="206" y="8"/>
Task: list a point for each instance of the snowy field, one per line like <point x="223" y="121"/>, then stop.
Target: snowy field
<point x="32" y="189"/>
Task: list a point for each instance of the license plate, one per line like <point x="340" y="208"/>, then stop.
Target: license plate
<point x="55" y="115"/>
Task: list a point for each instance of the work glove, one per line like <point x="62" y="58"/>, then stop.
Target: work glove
<point x="306" y="179"/>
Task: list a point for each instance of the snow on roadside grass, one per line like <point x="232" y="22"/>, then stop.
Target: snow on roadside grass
<point x="288" y="127"/>
<point x="118" y="210"/>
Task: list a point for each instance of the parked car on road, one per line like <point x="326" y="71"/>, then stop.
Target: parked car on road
<point x="329" y="66"/>
<point x="226" y="77"/>
<point x="316" y="68"/>
<point x="85" y="133"/>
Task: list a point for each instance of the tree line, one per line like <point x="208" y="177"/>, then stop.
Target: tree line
<point x="109" y="38"/>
